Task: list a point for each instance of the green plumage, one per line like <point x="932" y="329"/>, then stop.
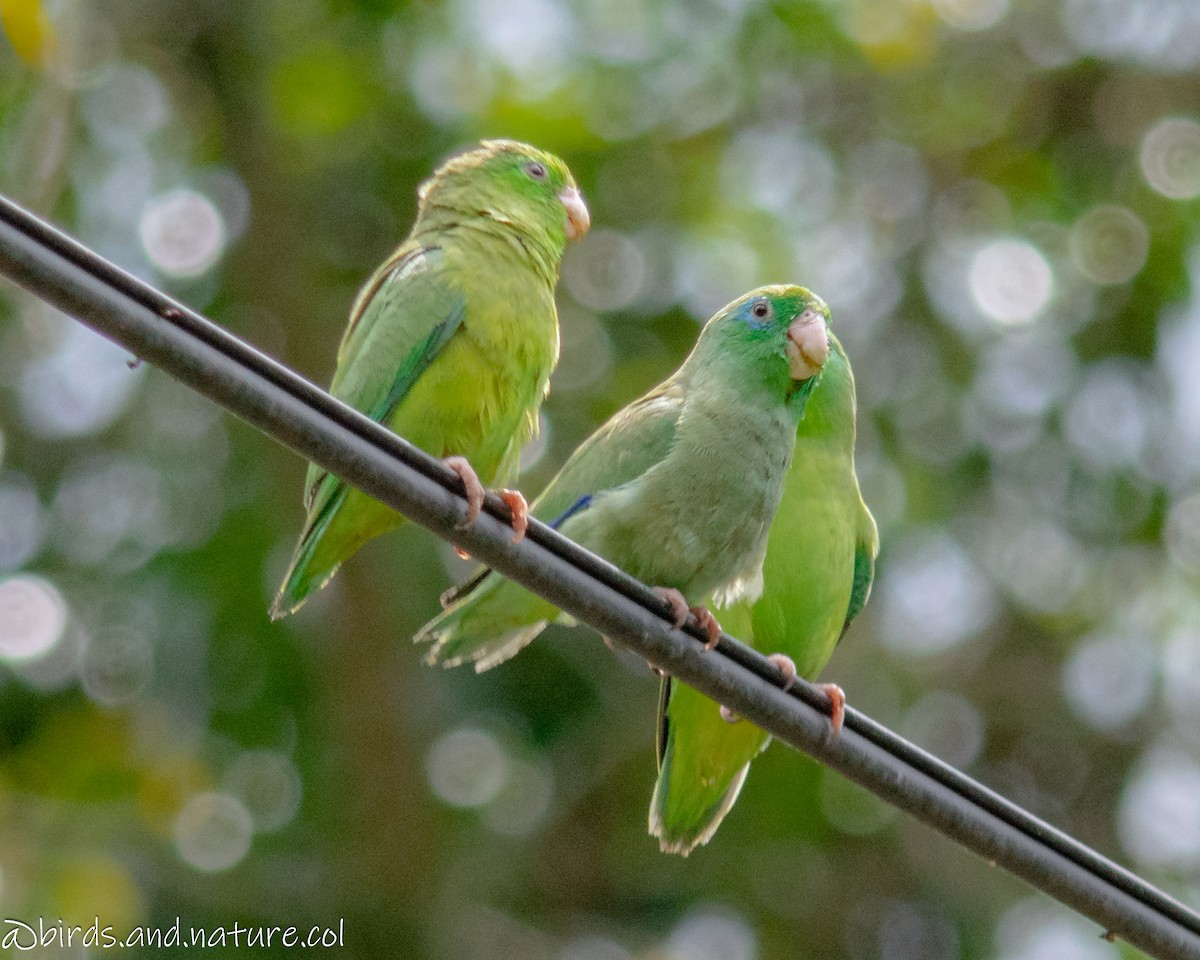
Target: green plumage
<point x="452" y="341"/>
<point x="817" y="575"/>
<point x="678" y="488"/>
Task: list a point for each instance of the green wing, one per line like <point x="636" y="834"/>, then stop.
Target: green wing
<point x="400" y="322"/>
<point x="489" y="619"/>
<point x="625" y="447"/>
<point x="866" y="548"/>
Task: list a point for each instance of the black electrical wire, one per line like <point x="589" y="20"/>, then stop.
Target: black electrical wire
<point x="288" y="408"/>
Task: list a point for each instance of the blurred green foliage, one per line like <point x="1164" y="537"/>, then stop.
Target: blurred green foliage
<point x="997" y="198"/>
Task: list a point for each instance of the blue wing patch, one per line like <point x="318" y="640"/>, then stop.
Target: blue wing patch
<point x="454" y="594"/>
<point x="577" y="507"/>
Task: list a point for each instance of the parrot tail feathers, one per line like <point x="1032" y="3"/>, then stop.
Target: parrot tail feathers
<point x="451" y="649"/>
<point x="682" y="825"/>
<point x="507" y="646"/>
<point x="308" y="572"/>
<point x="296" y="590"/>
<point x="495" y="622"/>
<point x="702" y="764"/>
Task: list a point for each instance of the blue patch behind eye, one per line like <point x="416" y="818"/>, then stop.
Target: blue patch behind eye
<point x="577" y="507"/>
<point x="747" y="316"/>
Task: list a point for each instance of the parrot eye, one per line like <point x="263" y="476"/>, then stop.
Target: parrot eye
<point x="761" y="310"/>
<point x="536" y="170"/>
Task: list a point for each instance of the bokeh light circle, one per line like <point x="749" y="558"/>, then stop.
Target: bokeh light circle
<point x="213" y="831"/>
<point x="1180" y="670"/>
<point x="1034" y="930"/>
<point x="587" y="352"/>
<point x="522" y="803"/>
<point x="127" y="106"/>
<point x="79" y="387"/>
<point x="466" y="767"/>
<point x="594" y="948"/>
<point x="117" y="665"/>
<point x="1109" y="244"/>
<point x="268" y="785"/>
<point x="604" y="271"/>
<point x="909" y="930"/>
<point x="182" y="233"/>
<point x="1010" y="280"/>
<point x="1182" y="532"/>
<point x="33" y="616"/>
<point x="933" y="596"/>
<point x="712" y="933"/>
<point x="1108" y="418"/>
<point x="1159" y="819"/>
<point x="947" y="725"/>
<point x="1170" y="158"/>
<point x="22" y="523"/>
<point x="971" y="14"/>
<point x="1108" y="680"/>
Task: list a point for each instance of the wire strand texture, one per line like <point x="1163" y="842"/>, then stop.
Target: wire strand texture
<point x="283" y="405"/>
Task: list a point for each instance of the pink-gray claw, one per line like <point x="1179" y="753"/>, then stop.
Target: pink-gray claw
<point x="679" y="606"/>
<point x="837" y="705"/>
<point x="520" y="512"/>
<point x="785" y="665"/>
<point x="472" y="488"/>
<point x="710" y="625"/>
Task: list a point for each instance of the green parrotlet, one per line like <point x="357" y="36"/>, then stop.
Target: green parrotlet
<point x="678" y="488"/>
<point x="451" y="342"/>
<point x="817" y="575"/>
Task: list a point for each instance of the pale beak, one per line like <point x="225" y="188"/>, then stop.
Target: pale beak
<point x="578" y="218"/>
<point x="807" y="345"/>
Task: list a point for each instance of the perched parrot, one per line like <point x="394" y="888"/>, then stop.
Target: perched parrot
<point x="678" y="489"/>
<point x="451" y="343"/>
<point x="817" y="576"/>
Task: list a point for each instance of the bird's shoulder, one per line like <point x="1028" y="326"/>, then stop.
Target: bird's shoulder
<point x="628" y="444"/>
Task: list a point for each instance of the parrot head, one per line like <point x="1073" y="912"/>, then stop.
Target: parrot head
<point x="512" y="183"/>
<point x="781" y="331"/>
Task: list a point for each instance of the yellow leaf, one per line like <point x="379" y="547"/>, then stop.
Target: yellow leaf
<point x="29" y="31"/>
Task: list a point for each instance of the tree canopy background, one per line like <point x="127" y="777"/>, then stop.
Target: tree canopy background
<point x="998" y="198"/>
